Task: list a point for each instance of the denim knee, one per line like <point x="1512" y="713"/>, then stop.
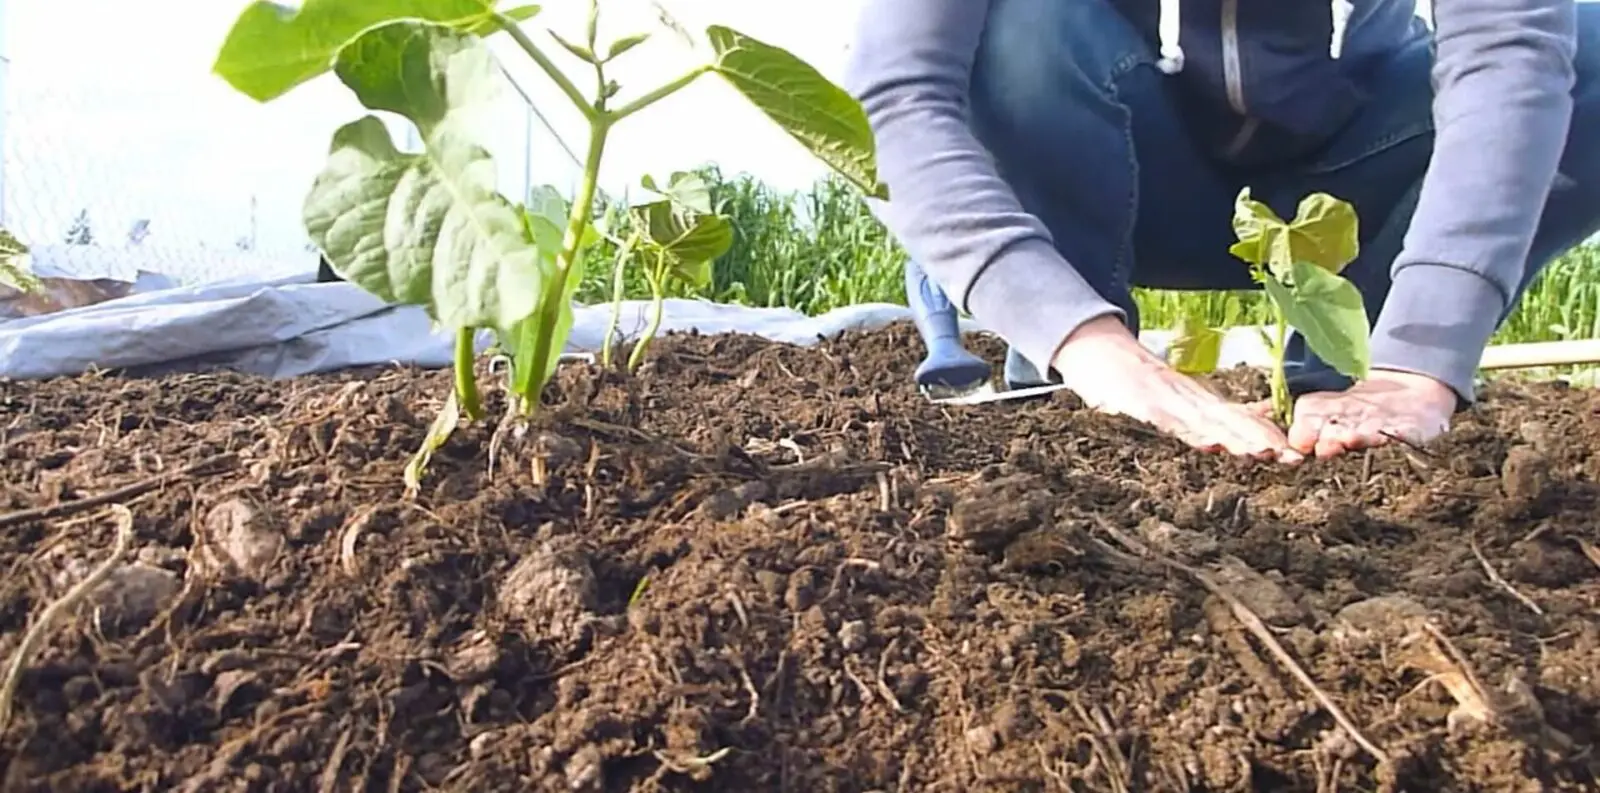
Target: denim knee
<point x="1046" y="105"/>
<point x="1044" y="80"/>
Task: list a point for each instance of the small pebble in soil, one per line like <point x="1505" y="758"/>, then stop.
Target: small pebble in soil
<point x="475" y="658"/>
<point x="772" y="582"/>
<point x="480" y="745"/>
<point x="727" y="503"/>
<point x="161" y="556"/>
<point x="1525" y="475"/>
<point x="239" y="539"/>
<point x="132" y="596"/>
<point x="1181" y="543"/>
<point x="983" y="740"/>
<point x="1538" y="434"/>
<point x="231" y="686"/>
<point x="1376" y="615"/>
<point x="802" y="590"/>
<point x="999" y="511"/>
<point x="1048" y="551"/>
<point x="557" y="450"/>
<point x="1266" y="597"/>
<point x="585" y="769"/>
<point x="853" y="636"/>
<point x="553" y="592"/>
<point x="1546" y="563"/>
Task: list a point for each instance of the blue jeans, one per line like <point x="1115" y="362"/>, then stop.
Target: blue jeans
<point x="1123" y="169"/>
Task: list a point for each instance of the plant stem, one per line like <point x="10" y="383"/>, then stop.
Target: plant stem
<point x="657" y="95"/>
<point x="1280" y="383"/>
<point x="600" y="97"/>
<point x="466" y="373"/>
<point x="549" y="68"/>
<point x="618" y="285"/>
<point x="577" y="221"/>
<point x="657" y="309"/>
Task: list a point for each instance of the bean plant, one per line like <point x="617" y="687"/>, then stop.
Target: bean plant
<point x="431" y="228"/>
<point x="677" y="235"/>
<point x="1298" y="263"/>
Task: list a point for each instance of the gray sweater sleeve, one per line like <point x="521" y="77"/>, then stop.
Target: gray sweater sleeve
<point x="911" y="64"/>
<point x="1504" y="76"/>
<point x="1503" y="104"/>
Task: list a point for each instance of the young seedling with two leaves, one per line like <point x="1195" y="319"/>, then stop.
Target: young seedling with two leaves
<point x="1298" y="263"/>
<point x="431" y="228"/>
<point x="677" y="236"/>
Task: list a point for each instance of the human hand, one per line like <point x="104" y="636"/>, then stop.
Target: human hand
<point x="1386" y="406"/>
<point x="1106" y="366"/>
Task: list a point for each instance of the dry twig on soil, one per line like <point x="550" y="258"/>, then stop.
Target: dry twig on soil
<point x="1498" y="580"/>
<point x="1445" y="665"/>
<point x="1590" y="550"/>
<point x="47" y="617"/>
<point x="1260" y="631"/>
<point x="221" y="462"/>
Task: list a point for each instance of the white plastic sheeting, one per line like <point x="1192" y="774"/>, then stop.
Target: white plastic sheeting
<point x="294" y="326"/>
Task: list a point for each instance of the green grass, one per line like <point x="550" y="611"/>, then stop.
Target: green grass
<point x="821" y="249"/>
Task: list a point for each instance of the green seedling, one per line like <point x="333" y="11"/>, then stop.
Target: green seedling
<point x="680" y="236"/>
<point x="14" y="270"/>
<point x="676" y="237"/>
<point x="1298" y="264"/>
<point x="431" y="229"/>
<point x="1196" y="347"/>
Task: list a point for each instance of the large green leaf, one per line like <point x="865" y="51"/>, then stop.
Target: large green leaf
<point x="272" y="48"/>
<point x="1327" y="310"/>
<point x="1324" y="232"/>
<point x="426" y="229"/>
<point x="814" y="110"/>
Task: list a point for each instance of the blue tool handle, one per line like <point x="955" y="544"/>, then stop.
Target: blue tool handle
<point x="947" y="363"/>
<point x="934" y="314"/>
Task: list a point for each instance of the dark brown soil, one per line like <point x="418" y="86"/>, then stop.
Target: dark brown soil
<point x="765" y="568"/>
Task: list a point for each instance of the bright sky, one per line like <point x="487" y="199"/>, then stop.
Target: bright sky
<point x="123" y="116"/>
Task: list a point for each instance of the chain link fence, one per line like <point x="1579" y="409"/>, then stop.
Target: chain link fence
<point x="112" y="176"/>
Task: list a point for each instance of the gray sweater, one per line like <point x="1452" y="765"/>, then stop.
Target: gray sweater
<point x="1504" y="77"/>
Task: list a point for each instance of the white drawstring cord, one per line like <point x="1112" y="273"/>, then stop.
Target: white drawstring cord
<point x="1342" y="9"/>
<point x="1170" y="28"/>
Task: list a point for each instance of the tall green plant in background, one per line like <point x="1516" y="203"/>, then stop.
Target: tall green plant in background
<point x="813" y="250"/>
<point x="15" y="271"/>
<point x="431" y="229"/>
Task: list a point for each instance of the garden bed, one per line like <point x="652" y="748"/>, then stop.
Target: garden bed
<point x="757" y="567"/>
